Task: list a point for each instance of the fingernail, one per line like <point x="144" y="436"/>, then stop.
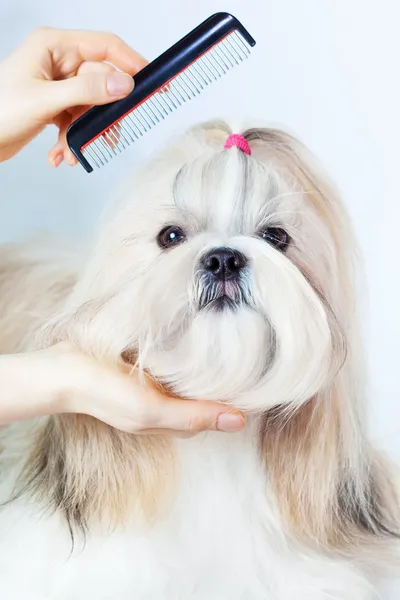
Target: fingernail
<point x="119" y="84"/>
<point x="230" y="422"/>
<point x="58" y="159"/>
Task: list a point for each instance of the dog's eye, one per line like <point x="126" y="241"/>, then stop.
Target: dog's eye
<point x="276" y="236"/>
<point x="170" y="236"/>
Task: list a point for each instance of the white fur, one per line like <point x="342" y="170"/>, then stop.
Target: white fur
<point x="224" y="536"/>
<point x="222" y="541"/>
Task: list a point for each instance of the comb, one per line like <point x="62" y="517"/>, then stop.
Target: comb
<point x="179" y="74"/>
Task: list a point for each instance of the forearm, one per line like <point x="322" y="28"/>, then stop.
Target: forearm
<point x="28" y="388"/>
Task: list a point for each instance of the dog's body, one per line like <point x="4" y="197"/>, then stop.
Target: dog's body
<point x="296" y="506"/>
<point x="222" y="540"/>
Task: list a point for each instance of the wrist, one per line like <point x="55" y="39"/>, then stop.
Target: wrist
<point x="64" y="372"/>
<point x="71" y="377"/>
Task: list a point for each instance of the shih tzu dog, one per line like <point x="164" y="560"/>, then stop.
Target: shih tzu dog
<point x="226" y="272"/>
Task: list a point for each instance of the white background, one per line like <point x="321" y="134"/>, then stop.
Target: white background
<point x="325" y="69"/>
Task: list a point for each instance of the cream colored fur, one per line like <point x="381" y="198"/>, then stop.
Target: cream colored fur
<point x="299" y="505"/>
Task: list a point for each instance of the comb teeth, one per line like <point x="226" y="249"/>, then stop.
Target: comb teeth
<point x="184" y="86"/>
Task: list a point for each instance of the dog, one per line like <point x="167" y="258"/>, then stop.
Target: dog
<point x="227" y="273"/>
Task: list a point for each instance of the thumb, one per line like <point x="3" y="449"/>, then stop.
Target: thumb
<point x="89" y="89"/>
<point x="194" y="416"/>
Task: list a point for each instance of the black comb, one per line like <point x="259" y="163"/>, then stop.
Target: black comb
<point x="179" y="74"/>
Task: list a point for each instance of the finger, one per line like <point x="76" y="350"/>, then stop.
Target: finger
<point x="194" y="416"/>
<point x="89" y="66"/>
<point x="89" y="89"/>
<point x="70" y="158"/>
<point x="60" y="152"/>
<point x="56" y="154"/>
<point x="56" y="151"/>
<point x="95" y="46"/>
<point x="102" y="46"/>
<point x="55" y="158"/>
<point x="63" y="121"/>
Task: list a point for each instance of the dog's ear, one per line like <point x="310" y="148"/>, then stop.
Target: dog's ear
<point x="90" y="325"/>
<point x="82" y="467"/>
<point x="331" y="487"/>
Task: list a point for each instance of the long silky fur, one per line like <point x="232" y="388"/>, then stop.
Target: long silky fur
<point x="331" y="488"/>
<point x="92" y="473"/>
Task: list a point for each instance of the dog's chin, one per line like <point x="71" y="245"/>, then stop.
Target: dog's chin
<point x="221" y="303"/>
<point x="224" y="352"/>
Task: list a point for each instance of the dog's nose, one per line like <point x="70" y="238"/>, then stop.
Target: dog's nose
<point x="224" y="263"/>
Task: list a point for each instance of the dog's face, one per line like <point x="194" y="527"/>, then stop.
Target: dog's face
<point x="216" y="275"/>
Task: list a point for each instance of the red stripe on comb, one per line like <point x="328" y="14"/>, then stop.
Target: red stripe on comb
<point x="239" y="141"/>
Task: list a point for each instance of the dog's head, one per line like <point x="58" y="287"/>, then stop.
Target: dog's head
<point x="222" y="273"/>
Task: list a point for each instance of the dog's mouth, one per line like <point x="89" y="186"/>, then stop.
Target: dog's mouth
<point x="222" y="295"/>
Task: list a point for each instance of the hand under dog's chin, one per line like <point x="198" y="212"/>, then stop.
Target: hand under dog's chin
<point x="221" y="355"/>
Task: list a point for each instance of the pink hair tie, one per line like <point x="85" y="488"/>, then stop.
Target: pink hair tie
<point x="239" y="141"/>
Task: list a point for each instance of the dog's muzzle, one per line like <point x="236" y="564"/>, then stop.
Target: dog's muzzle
<point x="221" y="278"/>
